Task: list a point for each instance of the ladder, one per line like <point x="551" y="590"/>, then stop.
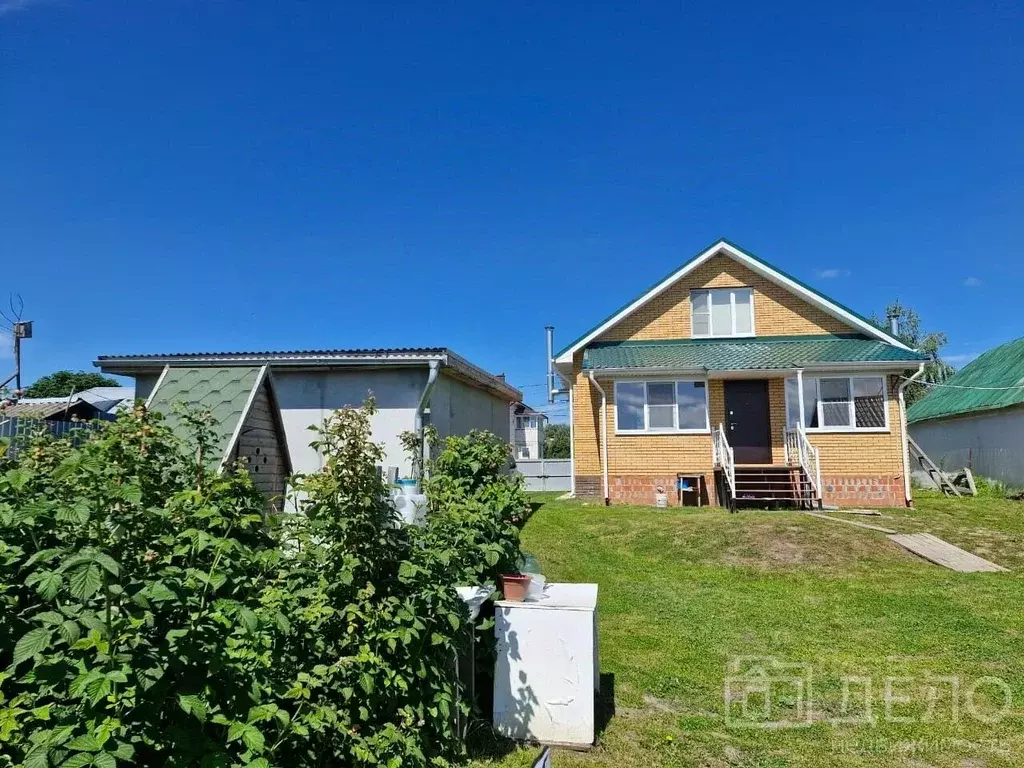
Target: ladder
<point x="937" y="475"/>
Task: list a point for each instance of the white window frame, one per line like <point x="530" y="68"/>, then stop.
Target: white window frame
<point x="853" y="410"/>
<point x="523" y="449"/>
<point x="732" y="311"/>
<point x="706" y="430"/>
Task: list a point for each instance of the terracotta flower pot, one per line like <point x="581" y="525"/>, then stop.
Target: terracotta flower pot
<point x="514" y="586"/>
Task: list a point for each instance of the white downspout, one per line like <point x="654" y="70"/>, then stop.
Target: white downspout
<point x="906" y="444"/>
<point x="604" y="434"/>
<point x="572" y="446"/>
<point x="435" y="370"/>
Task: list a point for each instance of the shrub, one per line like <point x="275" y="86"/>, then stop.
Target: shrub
<point x="128" y="576"/>
<point x="153" y="613"/>
<point x="476" y="507"/>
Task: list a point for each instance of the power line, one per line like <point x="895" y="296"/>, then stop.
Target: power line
<point x="961" y="386"/>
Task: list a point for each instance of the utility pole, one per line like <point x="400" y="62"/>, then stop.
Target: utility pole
<point x="22" y="330"/>
<point x="19" y="329"/>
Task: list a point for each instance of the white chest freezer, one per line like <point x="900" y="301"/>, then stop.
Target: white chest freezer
<point x="546" y="675"/>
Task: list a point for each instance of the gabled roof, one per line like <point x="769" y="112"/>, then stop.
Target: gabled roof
<point x="994" y="380"/>
<point x="725" y="248"/>
<point x="763" y="353"/>
<point x="227" y="392"/>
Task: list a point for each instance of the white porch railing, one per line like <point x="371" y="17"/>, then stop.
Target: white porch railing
<point x="722" y="455"/>
<point x="800" y="452"/>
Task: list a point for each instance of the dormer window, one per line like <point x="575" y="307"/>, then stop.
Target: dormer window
<point x="722" y="312"/>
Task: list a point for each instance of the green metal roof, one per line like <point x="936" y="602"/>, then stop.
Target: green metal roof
<point x="224" y="392"/>
<point x="748" y="254"/>
<point x="763" y="353"/>
<point x="994" y="380"/>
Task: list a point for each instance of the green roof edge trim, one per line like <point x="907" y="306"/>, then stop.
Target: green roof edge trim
<point x="745" y="252"/>
<point x="731" y="340"/>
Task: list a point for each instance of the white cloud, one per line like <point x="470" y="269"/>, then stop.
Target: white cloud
<point x="973" y="282"/>
<point x="831" y="272"/>
<point x="959" y="360"/>
<point x="9" y="6"/>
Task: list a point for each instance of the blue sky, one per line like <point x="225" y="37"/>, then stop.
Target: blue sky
<point x="196" y="175"/>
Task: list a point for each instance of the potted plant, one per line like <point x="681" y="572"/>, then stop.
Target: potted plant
<point x="515" y="585"/>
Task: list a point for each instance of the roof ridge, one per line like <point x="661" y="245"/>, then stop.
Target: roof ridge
<point x="735" y="340"/>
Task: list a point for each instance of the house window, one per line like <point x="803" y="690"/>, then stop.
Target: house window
<point x="839" y="403"/>
<point x="524" y="422"/>
<point x="524" y="451"/>
<point x="661" y="406"/>
<point x="722" y="312"/>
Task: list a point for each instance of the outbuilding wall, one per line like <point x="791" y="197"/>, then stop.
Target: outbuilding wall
<point x="991" y="443"/>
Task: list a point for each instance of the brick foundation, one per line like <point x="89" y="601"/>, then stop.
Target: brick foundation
<point x="640" y="489"/>
<point x="863" y="491"/>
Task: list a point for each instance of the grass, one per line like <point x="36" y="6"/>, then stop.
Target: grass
<point x="683" y="593"/>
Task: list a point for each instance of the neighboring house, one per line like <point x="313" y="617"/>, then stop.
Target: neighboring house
<point x="976" y="418"/>
<point x="108" y="399"/>
<point x="411" y="387"/>
<point x="247" y="421"/>
<point x="52" y="409"/>
<point x="732" y="371"/>
<point x="89" y="404"/>
<point x="528" y="432"/>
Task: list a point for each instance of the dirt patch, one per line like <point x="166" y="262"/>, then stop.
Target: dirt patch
<point x="773" y="546"/>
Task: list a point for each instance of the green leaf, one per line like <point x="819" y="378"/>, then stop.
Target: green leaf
<point x="123" y="751"/>
<point x="85" y="581"/>
<point x="247" y="617"/>
<point x="32" y="642"/>
<point x="18" y="477"/>
<point x="36" y="758"/>
<point x="76" y="513"/>
<point x="104" y="760"/>
<point x="47" y="583"/>
<point x="86" y="743"/>
<point x="249" y="734"/>
<point x="98" y="687"/>
<point x="193" y="705"/>
<point x="109" y="564"/>
<point x="366" y="682"/>
<point x="69" y="632"/>
<point x="81" y="760"/>
<point x="159" y="592"/>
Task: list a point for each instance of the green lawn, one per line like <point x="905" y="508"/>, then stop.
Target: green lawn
<point x="683" y="593"/>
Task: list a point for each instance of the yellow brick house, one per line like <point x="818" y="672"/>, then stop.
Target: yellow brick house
<point x="736" y="380"/>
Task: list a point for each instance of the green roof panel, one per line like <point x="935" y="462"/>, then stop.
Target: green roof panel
<point x="763" y="353"/>
<point x="994" y="380"/>
<point x="223" y="391"/>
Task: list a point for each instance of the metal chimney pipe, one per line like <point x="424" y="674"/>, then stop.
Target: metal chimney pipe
<point x="549" y="330"/>
<point x="894" y="325"/>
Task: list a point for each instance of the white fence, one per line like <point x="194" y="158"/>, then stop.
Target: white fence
<point x="546" y="474"/>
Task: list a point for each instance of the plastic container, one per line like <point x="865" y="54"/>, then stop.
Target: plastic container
<point x="535" y="590"/>
<point x="411" y="508"/>
<point x="515" y="586"/>
<point x="409" y="486"/>
<point x="660" y="498"/>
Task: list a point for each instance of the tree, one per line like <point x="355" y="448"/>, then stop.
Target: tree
<point x="556" y="441"/>
<point x="908" y="327"/>
<point x="63" y="383"/>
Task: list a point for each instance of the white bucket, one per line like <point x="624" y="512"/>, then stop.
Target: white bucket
<point x="409" y="486"/>
<point x="411" y="508"/>
<point x="661" y="500"/>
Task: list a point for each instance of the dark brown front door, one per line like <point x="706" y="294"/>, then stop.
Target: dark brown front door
<point x="747" y="421"/>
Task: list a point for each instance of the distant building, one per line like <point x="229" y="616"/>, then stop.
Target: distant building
<point x="528" y="432"/>
<point x="432" y="386"/>
<point x="976" y="418"/>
